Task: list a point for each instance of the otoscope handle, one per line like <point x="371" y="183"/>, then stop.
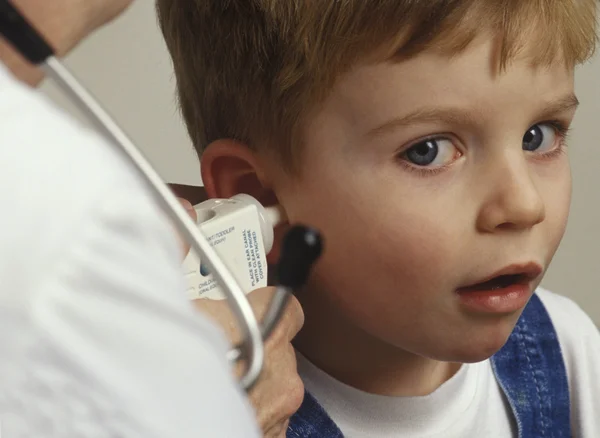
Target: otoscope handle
<point x="301" y="247"/>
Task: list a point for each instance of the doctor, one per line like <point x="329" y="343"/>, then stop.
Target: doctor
<point x="96" y="337"/>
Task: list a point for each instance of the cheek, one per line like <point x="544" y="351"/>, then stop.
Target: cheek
<point x="382" y="265"/>
<point x="557" y="195"/>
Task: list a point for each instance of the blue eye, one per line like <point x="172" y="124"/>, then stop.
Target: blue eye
<point x="539" y="137"/>
<point x="437" y="152"/>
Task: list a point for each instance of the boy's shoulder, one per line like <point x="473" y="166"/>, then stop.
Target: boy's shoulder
<point x="574" y="327"/>
<point x="579" y="340"/>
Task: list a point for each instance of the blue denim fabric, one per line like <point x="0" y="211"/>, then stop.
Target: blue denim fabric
<point x="311" y="421"/>
<point x="529" y="369"/>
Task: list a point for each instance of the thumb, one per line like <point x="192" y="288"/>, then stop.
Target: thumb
<point x="293" y="316"/>
<point x="185" y="245"/>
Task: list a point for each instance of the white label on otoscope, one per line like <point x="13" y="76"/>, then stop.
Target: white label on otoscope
<point x="233" y="228"/>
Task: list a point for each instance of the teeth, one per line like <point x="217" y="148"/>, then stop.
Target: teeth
<point x="497" y="283"/>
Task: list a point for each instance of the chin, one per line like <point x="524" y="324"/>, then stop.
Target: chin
<point x="477" y="346"/>
<point x="471" y="353"/>
<point x="474" y="355"/>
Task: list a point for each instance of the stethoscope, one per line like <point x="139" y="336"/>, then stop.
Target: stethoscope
<point x="300" y="248"/>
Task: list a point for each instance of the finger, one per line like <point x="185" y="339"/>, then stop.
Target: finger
<point x="260" y="299"/>
<point x="185" y="245"/>
<point x="292" y="319"/>
<point x="221" y="313"/>
<point x="294" y="316"/>
<point x="188" y="207"/>
<point x="279" y="391"/>
<point x="277" y="431"/>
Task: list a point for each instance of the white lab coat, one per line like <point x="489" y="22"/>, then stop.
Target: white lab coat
<point x="96" y="336"/>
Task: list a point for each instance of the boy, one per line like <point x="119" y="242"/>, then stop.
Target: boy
<point x="426" y="140"/>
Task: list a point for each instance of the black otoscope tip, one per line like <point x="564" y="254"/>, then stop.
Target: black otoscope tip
<point x="301" y="247"/>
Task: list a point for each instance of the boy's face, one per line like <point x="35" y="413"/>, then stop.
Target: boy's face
<point x="429" y="175"/>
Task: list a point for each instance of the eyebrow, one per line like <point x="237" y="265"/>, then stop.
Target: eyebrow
<point x="567" y="103"/>
<point x="455" y="116"/>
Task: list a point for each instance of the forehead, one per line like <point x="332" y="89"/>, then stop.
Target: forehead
<point x="470" y="80"/>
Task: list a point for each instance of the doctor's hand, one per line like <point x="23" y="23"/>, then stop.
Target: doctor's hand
<point x="185" y="245"/>
<point x="63" y="23"/>
<point x="66" y="22"/>
<point x="279" y="391"/>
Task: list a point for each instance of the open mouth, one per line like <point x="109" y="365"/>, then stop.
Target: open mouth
<point x="499" y="282"/>
<point x="511" y="276"/>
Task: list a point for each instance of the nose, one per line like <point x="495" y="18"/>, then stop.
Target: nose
<point x="513" y="201"/>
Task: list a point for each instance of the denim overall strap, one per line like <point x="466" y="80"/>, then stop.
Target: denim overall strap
<point x="532" y="374"/>
<point x="311" y="421"/>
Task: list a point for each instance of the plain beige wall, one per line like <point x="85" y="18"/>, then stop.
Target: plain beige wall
<point x="126" y="65"/>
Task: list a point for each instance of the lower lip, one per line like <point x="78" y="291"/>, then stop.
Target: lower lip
<point x="506" y="300"/>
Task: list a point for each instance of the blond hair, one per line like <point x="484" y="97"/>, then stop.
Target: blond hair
<point x="252" y="70"/>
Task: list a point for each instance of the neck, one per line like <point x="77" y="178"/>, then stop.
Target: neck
<point x="352" y="356"/>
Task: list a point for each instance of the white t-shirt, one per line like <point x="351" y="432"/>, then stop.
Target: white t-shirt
<point x="471" y="403"/>
<point x="97" y="338"/>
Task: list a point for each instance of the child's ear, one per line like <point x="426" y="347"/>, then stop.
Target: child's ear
<point x="228" y="168"/>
